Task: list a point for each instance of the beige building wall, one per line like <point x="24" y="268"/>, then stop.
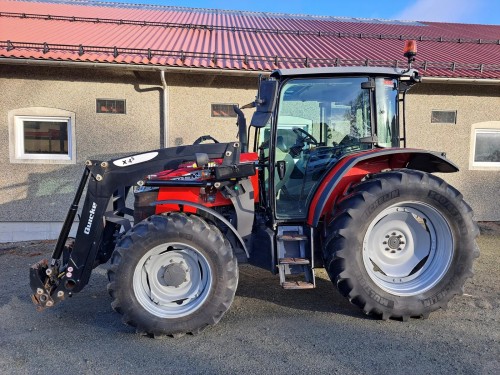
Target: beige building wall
<point x="190" y="100"/>
<point x="43" y="192"/>
<point x="474" y="104"/>
<point x="34" y="198"/>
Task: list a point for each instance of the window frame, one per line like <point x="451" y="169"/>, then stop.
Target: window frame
<point x="17" y="118"/>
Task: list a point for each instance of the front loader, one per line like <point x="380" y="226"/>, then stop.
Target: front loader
<point x="327" y="185"/>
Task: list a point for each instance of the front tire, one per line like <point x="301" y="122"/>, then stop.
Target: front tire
<point x="172" y="275"/>
<point x="401" y="244"/>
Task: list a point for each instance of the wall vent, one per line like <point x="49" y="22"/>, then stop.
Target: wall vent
<point x="223" y="110"/>
<point x="444" y="117"/>
<point x="115" y="106"/>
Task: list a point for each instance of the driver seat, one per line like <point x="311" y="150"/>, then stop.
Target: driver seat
<point x="283" y="154"/>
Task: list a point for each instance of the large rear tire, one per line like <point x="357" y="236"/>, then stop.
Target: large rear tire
<point x="401" y="244"/>
<point x="172" y="275"/>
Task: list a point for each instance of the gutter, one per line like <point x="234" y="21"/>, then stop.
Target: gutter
<point x="461" y="81"/>
<point x="227" y="72"/>
<point x="137" y="67"/>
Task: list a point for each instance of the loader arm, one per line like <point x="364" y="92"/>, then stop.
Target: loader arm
<point x="100" y="219"/>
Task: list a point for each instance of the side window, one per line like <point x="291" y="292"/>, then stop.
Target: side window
<point x="386" y="103"/>
<point x="264" y="135"/>
<point x="42" y="135"/>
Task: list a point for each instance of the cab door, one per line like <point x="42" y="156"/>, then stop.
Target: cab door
<point x="319" y="120"/>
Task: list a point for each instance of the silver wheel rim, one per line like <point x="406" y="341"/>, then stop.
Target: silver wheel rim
<point x="408" y="248"/>
<point x="172" y="280"/>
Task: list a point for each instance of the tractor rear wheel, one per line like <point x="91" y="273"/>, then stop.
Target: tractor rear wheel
<point x="172" y="274"/>
<point x="401" y="244"/>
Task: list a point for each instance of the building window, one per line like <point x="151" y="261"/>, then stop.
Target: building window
<point x="223" y="110"/>
<point x="42" y="135"/>
<point x="110" y="106"/>
<point x="43" y="138"/>
<point x="486" y="148"/>
<point x="444" y="117"/>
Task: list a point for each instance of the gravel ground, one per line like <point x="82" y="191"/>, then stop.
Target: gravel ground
<point x="267" y="330"/>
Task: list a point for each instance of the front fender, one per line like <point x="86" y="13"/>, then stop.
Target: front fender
<point x="352" y="168"/>
<point x="211" y="212"/>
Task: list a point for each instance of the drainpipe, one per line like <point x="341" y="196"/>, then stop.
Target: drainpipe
<point x="165" y="136"/>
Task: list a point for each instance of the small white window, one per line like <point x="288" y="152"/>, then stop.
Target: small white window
<point x="43" y="138"/>
<point x="42" y="135"/>
<point x="486" y="148"/>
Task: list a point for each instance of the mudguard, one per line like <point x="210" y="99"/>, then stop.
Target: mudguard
<point x="211" y="212"/>
<point x="353" y="168"/>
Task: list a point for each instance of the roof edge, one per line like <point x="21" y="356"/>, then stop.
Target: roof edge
<point x="230" y="72"/>
<point x="130" y="67"/>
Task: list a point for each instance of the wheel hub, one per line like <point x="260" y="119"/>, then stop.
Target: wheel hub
<point x="394" y="241"/>
<point x="174" y="275"/>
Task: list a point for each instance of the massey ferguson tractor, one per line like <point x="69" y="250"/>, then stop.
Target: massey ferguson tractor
<point x="320" y="178"/>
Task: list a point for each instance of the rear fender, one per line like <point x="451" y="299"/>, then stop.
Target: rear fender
<point x="353" y="168"/>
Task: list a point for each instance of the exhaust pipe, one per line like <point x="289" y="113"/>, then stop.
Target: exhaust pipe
<point x="242" y="128"/>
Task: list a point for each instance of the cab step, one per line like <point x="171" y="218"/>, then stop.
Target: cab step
<point x="294" y="258"/>
<point x="292" y="237"/>
<point x="297" y="285"/>
<point x="299" y="261"/>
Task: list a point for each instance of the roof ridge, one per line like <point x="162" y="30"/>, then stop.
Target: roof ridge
<point x="299" y="32"/>
<point x="228" y="11"/>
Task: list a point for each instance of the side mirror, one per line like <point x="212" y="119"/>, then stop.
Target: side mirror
<point x="368" y="85"/>
<point x="265" y="102"/>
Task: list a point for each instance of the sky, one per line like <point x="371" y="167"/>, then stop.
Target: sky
<point x="459" y="11"/>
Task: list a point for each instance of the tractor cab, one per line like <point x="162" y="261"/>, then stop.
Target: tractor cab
<point x="310" y="119"/>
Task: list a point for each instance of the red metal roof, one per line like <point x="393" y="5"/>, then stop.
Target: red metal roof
<point x="89" y="31"/>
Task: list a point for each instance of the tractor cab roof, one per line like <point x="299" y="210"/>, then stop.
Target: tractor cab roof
<point x="343" y="71"/>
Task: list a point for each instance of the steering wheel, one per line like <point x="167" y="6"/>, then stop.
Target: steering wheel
<point x="204" y="138"/>
<point x="303" y="136"/>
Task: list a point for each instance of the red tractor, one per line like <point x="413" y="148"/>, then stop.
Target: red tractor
<point x="327" y="185"/>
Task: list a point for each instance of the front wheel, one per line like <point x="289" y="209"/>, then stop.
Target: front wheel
<point x="173" y="274"/>
<point x="401" y="244"/>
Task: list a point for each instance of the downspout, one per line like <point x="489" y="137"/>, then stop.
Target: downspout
<point x="164" y="133"/>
